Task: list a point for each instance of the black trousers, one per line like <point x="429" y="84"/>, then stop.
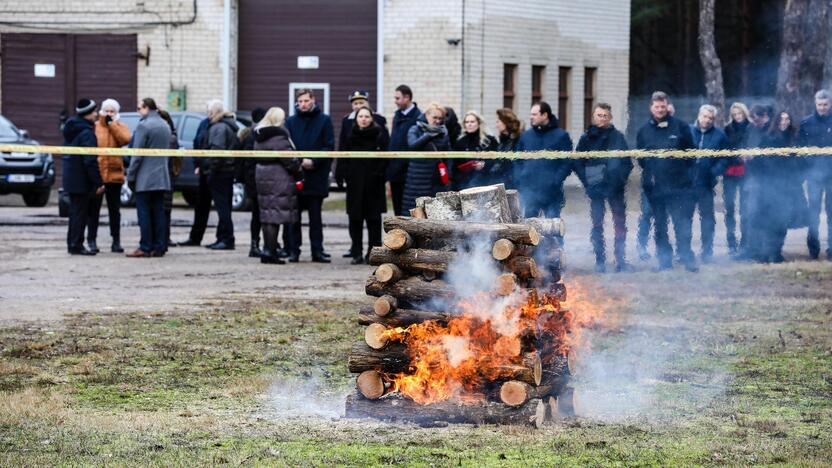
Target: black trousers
<point x="222" y="191"/>
<point x="820" y="191"/>
<point x="731" y="189"/>
<point x="150" y="210"/>
<point x="79" y="210"/>
<point x="113" y="194"/>
<point x="312" y="205"/>
<point x="704" y="201"/>
<point x="202" y="209"/>
<point x="356" y="228"/>
<point x="255" y="226"/>
<point x="679" y="207"/>
<point x="397" y="192"/>
<point x="645" y="220"/>
<point x="597" y="209"/>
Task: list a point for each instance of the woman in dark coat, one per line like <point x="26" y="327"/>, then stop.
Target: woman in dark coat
<point x="509" y="128"/>
<point x="732" y="180"/>
<point x="423" y="174"/>
<point x="277" y="193"/>
<point x="466" y="172"/>
<point x="366" y="196"/>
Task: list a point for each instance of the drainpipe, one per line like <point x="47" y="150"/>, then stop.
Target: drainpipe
<point x="380" y="57"/>
<point x="461" y="110"/>
<point x="225" y="53"/>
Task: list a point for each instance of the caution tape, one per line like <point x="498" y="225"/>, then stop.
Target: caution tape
<point x="696" y="153"/>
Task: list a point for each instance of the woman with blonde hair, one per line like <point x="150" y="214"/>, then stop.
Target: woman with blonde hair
<point x="474" y="138"/>
<point x="425" y="175"/>
<point x="277" y="193"/>
<point x="734" y="176"/>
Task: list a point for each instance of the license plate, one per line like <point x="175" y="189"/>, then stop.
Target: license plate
<point x="20" y="178"/>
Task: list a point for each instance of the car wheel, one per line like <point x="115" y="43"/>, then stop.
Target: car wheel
<point x="190" y="196"/>
<point x="127" y="196"/>
<point x="239" y="200"/>
<point x="37" y="199"/>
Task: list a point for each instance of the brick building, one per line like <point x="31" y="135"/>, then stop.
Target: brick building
<point x="469" y="54"/>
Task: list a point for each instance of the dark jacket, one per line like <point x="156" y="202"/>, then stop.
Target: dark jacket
<point x="80" y="172"/>
<point x="423" y="178"/>
<point x="736" y="133"/>
<point x="150" y="173"/>
<point x="502" y="170"/>
<point x="706" y="171"/>
<point x="775" y="181"/>
<point x="275" y="177"/>
<point x="816" y="130"/>
<point x="537" y="178"/>
<point x="201" y="142"/>
<point x="666" y="176"/>
<point x="244" y="168"/>
<point x="312" y="131"/>
<point x="603" y="177"/>
<point x="397" y="169"/>
<point x="222" y="135"/>
<point x="346" y="130"/>
<point x="463" y="175"/>
<point x="366" y="195"/>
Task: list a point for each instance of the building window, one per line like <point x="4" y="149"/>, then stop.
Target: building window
<point x="564" y="75"/>
<point x="589" y="94"/>
<point x="538" y="75"/>
<point x="509" y="85"/>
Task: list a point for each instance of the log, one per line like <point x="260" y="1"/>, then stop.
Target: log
<point x="397" y="239"/>
<point x="398" y="408"/>
<point x="375" y="335"/>
<point x="384" y="305"/>
<point x="393" y="359"/>
<point x="388" y="273"/>
<point x="487" y="204"/>
<point x="505" y="284"/>
<point x="523" y="267"/>
<point x="420" y="201"/>
<point x="401" y="317"/>
<point x="370" y="384"/>
<point x="445" y="206"/>
<point x="512" y="393"/>
<point x="413" y="291"/>
<point x="414" y="259"/>
<point x="427" y="230"/>
<point x="530" y="371"/>
<point x="418" y="212"/>
<point x="547" y="227"/>
<point x="514" y="205"/>
<point x="504" y="249"/>
<point x="430" y="275"/>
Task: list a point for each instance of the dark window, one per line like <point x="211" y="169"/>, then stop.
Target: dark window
<point x="538" y="75"/>
<point x="564" y="75"/>
<point x="589" y="94"/>
<point x="509" y="85"/>
<point x="189" y="128"/>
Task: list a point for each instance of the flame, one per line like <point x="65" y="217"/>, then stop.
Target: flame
<point x="484" y="342"/>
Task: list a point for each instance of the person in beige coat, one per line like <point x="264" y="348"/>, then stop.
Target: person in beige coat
<point x="110" y="133"/>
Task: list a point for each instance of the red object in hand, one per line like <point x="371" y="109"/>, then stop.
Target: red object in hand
<point x="468" y="166"/>
<point x="443" y="174"/>
<point x="299" y="184"/>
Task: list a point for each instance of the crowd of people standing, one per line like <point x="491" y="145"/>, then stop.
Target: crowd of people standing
<point x="767" y="191"/>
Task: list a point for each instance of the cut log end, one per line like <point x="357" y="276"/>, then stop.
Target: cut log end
<point x="539" y="414"/>
<point x="418" y="212"/>
<point x="534" y="236"/>
<point x="514" y="393"/>
<point x="388" y="273"/>
<point x="370" y="384"/>
<point x="536" y="366"/>
<point x="505" y="284"/>
<point x="398" y="239"/>
<point x="385" y="304"/>
<point x="375" y="336"/>
<point x="503" y="249"/>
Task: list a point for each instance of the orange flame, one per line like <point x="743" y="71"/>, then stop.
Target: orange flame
<point x="484" y="343"/>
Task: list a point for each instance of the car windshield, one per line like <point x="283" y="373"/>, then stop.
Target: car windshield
<point x="7" y="129"/>
<point x="131" y="120"/>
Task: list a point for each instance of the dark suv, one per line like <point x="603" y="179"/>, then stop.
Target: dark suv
<point x="30" y="175"/>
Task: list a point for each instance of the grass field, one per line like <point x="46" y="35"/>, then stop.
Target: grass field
<point x="730" y="366"/>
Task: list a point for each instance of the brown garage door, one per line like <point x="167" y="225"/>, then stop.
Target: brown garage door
<point x="69" y="67"/>
<point x="342" y="34"/>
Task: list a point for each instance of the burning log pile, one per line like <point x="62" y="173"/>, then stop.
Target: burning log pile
<point x="435" y="350"/>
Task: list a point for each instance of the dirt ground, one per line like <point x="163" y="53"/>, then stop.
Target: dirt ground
<point x="39" y="280"/>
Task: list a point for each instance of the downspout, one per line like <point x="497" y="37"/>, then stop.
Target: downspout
<point x="380" y="57"/>
<point x="462" y="67"/>
<point x="225" y="53"/>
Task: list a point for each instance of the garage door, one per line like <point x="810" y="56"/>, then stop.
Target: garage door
<point x="336" y="43"/>
<point x="44" y="75"/>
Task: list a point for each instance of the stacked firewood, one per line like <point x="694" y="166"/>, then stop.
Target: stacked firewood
<point x="409" y="286"/>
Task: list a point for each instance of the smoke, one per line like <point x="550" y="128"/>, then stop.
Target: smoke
<point x="310" y="396"/>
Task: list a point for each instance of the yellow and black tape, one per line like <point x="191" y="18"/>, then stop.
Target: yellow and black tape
<point x="60" y="150"/>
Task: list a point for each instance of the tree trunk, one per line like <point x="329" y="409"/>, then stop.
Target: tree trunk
<point x="388" y="273"/>
<point x="414" y="259"/>
<point x="791" y="58"/>
<point x="710" y="60"/>
<point x="488" y="204"/>
<point x="426" y="230"/>
<point x="393" y="359"/>
<point x="412" y="291"/>
<point x="401" y="317"/>
<point x="827" y="61"/>
<point x="815" y="52"/>
<point x="370" y="384"/>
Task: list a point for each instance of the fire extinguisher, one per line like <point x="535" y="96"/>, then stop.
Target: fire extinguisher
<point x="443" y="173"/>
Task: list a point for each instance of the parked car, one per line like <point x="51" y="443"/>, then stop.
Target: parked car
<point x="30" y="175"/>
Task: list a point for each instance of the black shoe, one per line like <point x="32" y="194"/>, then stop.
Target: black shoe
<point x="623" y="267"/>
<point x="320" y="259"/>
<point x="116" y="247"/>
<point x="171" y="243"/>
<point x="707" y="257"/>
<point x="348" y="255"/>
<point x="255" y="252"/>
<point x="325" y="255"/>
<point x="293" y="258"/>
<point x="81" y="251"/>
<point x="357" y="261"/>
<point x="92" y="247"/>
<point x="221" y="245"/>
<point x="272" y="260"/>
<point x="600" y="268"/>
<point x="283" y="253"/>
<point x="188" y="243"/>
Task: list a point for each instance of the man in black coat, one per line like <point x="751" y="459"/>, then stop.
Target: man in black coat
<point x="668" y="181"/>
<point x="816" y="130"/>
<point x="222" y="136"/>
<point x="406" y="116"/>
<point x="81" y="178"/>
<point x="605" y="180"/>
<point x="706" y="174"/>
<point x="246" y="169"/>
<point x="311" y="130"/>
<point x="202" y="209"/>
